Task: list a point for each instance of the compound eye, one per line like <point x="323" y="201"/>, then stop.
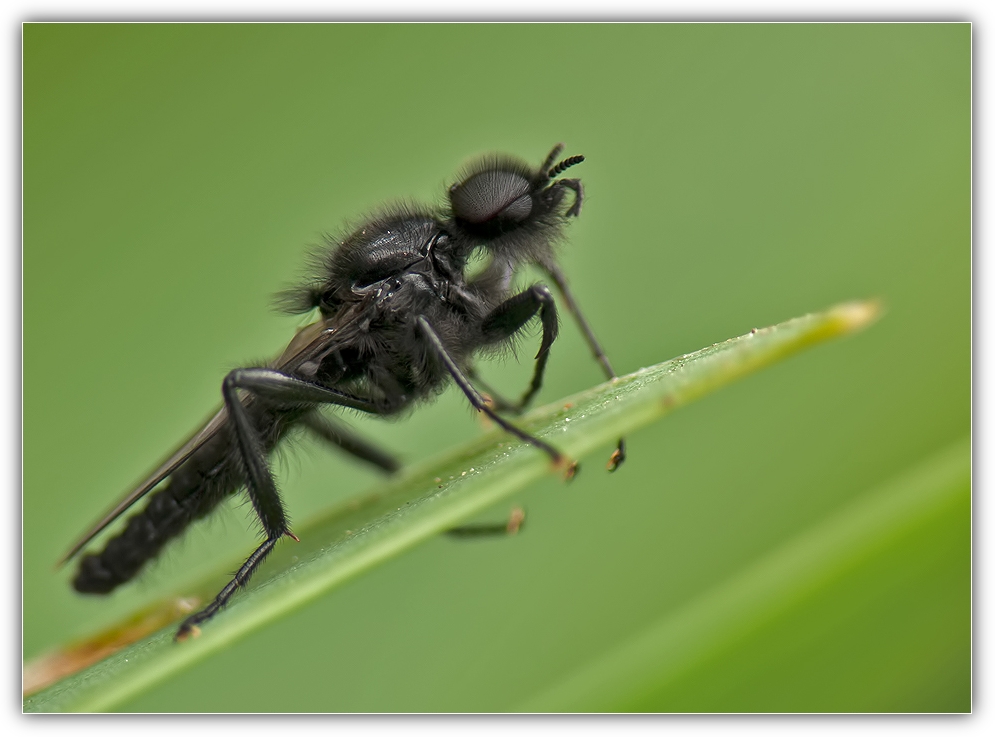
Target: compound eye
<point x="492" y="194"/>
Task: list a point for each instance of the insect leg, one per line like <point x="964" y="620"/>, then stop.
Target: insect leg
<point x="578" y="189"/>
<point x="241" y="577"/>
<point x="618" y="455"/>
<point x="509" y="317"/>
<point x="478" y="402"/>
<point x="516" y="521"/>
<point x="281" y="387"/>
<point x="498" y="401"/>
<point x="260" y="484"/>
<point x="335" y="433"/>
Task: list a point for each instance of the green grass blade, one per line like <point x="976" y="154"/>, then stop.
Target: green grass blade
<point x="627" y="677"/>
<point x="437" y="495"/>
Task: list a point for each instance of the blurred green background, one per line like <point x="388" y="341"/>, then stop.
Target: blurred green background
<point x="737" y="175"/>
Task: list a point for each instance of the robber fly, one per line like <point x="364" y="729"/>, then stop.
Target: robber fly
<point x="397" y="319"/>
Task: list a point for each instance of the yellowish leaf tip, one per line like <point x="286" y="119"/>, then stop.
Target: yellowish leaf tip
<point x="857" y="315"/>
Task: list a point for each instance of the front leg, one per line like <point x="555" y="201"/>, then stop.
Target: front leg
<point x="497" y="400"/>
<point x="511" y="316"/>
<point x="438" y="349"/>
<point x="560" y="280"/>
<point x="578" y="190"/>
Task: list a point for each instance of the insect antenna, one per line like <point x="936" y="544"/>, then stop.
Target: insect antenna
<point x="564" y="165"/>
<point x="548" y="163"/>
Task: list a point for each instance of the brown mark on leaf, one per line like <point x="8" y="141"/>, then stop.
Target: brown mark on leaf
<point x="52" y="667"/>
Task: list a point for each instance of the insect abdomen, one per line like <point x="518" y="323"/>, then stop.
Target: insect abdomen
<point x="194" y="490"/>
<point x="143" y="537"/>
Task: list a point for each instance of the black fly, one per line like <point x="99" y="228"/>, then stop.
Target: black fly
<point x="398" y="319"/>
